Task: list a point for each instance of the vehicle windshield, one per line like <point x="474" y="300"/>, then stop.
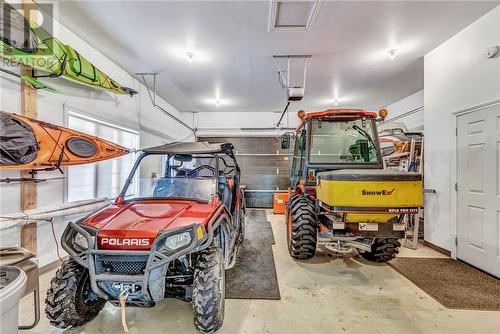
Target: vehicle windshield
<point x="173" y="176"/>
<point x="343" y="141"/>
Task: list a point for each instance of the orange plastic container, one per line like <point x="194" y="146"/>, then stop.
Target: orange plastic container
<point x="279" y="202"/>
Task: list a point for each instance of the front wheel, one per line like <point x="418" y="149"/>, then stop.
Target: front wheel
<point x="383" y="250"/>
<point x="70" y="300"/>
<point x="209" y="290"/>
<point x="301" y="228"/>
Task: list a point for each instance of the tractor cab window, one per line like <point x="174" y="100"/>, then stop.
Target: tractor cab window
<point x="343" y="142"/>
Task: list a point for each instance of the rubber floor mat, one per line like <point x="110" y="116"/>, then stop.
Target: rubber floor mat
<point x="452" y="283"/>
<point x="254" y="275"/>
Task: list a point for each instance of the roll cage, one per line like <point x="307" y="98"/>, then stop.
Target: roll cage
<point x="221" y="153"/>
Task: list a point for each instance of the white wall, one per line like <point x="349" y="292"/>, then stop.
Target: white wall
<point x="133" y="112"/>
<point x="414" y="121"/>
<point x="229" y="123"/>
<point x="457" y="77"/>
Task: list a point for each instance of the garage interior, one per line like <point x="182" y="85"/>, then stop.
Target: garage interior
<point x="275" y="166"/>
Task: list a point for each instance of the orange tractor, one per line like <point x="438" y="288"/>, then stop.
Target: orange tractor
<point x="340" y="197"/>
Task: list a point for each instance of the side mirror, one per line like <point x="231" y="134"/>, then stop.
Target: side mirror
<point x="285" y="141"/>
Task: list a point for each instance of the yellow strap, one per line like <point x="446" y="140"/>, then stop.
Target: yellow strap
<point x="123" y="298"/>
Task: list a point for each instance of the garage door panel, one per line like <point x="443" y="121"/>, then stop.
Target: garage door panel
<point x="252" y="145"/>
<point x="264" y="166"/>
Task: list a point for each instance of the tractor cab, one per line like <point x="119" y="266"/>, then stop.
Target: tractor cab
<point x="332" y="140"/>
<point x="340" y="197"/>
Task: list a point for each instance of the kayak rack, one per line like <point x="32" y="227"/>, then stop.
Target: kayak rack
<point x="152" y="97"/>
<point x="28" y="179"/>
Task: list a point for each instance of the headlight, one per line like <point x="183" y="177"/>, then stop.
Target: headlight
<point x="81" y="241"/>
<point x="178" y="240"/>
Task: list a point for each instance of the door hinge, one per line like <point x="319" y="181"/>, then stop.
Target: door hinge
<point x="456" y="241"/>
<point x="456" y="186"/>
<point x="456" y="132"/>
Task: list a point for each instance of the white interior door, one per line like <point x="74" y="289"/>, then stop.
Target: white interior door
<point x="479" y="189"/>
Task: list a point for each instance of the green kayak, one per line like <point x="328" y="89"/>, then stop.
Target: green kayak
<point x="49" y="57"/>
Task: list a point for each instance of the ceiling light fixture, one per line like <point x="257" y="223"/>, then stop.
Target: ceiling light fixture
<point x="393" y="53"/>
<point x="336" y="102"/>
<point x="190" y="56"/>
<point x="217" y="103"/>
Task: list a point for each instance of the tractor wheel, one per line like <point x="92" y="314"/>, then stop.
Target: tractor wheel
<point x="383" y="250"/>
<point x="209" y="290"/>
<point x="301" y="228"/>
<point x="70" y="300"/>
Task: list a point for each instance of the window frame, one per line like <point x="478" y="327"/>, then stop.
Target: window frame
<point x="374" y="137"/>
<point x="75" y="113"/>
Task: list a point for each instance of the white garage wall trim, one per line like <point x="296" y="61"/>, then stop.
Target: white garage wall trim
<point x="409" y="110"/>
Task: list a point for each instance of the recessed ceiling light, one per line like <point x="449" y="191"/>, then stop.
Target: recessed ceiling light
<point x="218" y="102"/>
<point x="189" y="53"/>
<point x="336" y="102"/>
<point x="393" y="53"/>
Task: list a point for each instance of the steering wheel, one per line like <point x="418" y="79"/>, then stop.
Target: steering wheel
<point x="202" y="167"/>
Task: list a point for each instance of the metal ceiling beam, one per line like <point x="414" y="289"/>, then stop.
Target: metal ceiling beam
<point x="152" y="97"/>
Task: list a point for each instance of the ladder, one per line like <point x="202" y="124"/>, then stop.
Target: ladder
<point x="412" y="222"/>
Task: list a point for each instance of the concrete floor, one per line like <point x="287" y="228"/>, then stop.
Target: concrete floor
<point x="318" y="296"/>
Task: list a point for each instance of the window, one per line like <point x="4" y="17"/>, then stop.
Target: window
<point x="346" y="141"/>
<point x="104" y="178"/>
<point x="298" y="155"/>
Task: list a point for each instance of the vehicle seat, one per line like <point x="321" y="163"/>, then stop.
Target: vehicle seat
<point x="224" y="192"/>
<point x="165" y="187"/>
<point x="162" y="187"/>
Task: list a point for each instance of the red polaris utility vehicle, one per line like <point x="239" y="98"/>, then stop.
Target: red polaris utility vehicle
<point x="173" y="230"/>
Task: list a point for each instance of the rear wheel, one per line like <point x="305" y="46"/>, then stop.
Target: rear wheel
<point x="70" y="300"/>
<point x="383" y="250"/>
<point x="209" y="290"/>
<point x="301" y="228"/>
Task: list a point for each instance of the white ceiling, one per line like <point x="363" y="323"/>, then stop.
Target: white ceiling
<point x="233" y="48"/>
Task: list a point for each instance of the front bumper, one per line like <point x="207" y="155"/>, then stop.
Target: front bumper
<point x="146" y="271"/>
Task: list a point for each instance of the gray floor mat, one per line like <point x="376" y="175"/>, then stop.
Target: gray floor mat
<point x="254" y="275"/>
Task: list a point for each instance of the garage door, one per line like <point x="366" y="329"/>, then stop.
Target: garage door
<point x="479" y="189"/>
<point x="264" y="167"/>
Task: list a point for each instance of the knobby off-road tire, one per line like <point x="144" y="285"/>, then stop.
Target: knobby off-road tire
<point x="383" y="250"/>
<point x="70" y="300"/>
<point x="209" y="290"/>
<point x="301" y="228"/>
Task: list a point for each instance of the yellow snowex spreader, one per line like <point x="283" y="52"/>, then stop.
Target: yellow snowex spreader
<point x="375" y="195"/>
